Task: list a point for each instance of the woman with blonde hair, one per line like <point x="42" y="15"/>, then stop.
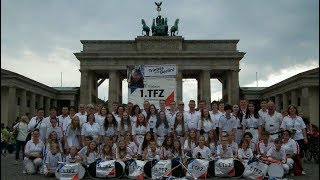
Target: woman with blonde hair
<point x="21" y="129"/>
<point x="72" y="134"/>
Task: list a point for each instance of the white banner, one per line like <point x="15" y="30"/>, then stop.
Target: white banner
<point x="161" y="169"/>
<point x="154" y="90"/>
<point x="197" y="168"/>
<point x="160" y="70"/>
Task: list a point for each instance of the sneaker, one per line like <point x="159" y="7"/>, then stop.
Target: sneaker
<point x="304" y="173"/>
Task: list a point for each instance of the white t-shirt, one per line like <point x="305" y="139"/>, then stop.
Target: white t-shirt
<point x="64" y="121"/>
<point x="151" y="155"/>
<point x="53" y="159"/>
<point x="139" y="132"/>
<point x="294" y="123"/>
<point x="192" y="118"/>
<point x="215" y="118"/>
<point x="227" y="123"/>
<point x="57" y="129"/>
<point x="207" y="125"/>
<point x="82" y="117"/>
<point x="42" y="126"/>
<point x="205" y="152"/>
<point x="291" y="147"/>
<point x="93" y="130"/>
<point x="251" y="122"/>
<point x="100" y="119"/>
<point x="161" y="130"/>
<point x="278" y="155"/>
<point x="33" y="148"/>
<point x="110" y="132"/>
<point x="23" y="131"/>
<point x="234" y="147"/>
<point x="179" y="131"/>
<point x="90" y="158"/>
<point x="186" y="144"/>
<point x="152" y="122"/>
<point x="228" y="154"/>
<point x="245" y="154"/>
<point x="272" y="123"/>
<point x="72" y="136"/>
<point x="263" y="148"/>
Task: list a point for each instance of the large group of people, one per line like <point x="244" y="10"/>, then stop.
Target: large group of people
<point x="128" y="131"/>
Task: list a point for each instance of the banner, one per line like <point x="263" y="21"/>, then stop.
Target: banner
<point x="156" y="84"/>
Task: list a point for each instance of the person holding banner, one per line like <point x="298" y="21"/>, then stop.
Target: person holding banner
<point x="162" y="128"/>
<point x="139" y="129"/>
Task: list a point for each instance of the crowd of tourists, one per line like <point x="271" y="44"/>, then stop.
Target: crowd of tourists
<point x="128" y="131"/>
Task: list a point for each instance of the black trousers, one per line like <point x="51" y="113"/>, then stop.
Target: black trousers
<point x="19" y="145"/>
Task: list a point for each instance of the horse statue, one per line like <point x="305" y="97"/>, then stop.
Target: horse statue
<point x="153" y="27"/>
<point x="145" y="28"/>
<point x="174" y="28"/>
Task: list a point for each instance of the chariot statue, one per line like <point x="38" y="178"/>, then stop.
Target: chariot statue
<point x="159" y="25"/>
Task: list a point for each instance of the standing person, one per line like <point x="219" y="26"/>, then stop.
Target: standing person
<point x="54" y="127"/>
<point x="221" y="107"/>
<point x="33" y="153"/>
<point x="192" y="116"/>
<point x="227" y="123"/>
<point x="52" y="114"/>
<point x="295" y="124"/>
<point x="215" y="115"/>
<point x="202" y="105"/>
<point x="152" y="117"/>
<point x="146" y="108"/>
<point x="98" y="109"/>
<point x="37" y="122"/>
<point x="243" y="106"/>
<point x="236" y="113"/>
<point x="129" y="107"/>
<point x="91" y="128"/>
<point x="82" y="114"/>
<point x="134" y="113"/>
<point x="72" y="134"/>
<point x="119" y="113"/>
<point x="139" y="129"/>
<point x="100" y="118"/>
<point x="162" y="105"/>
<point x="115" y="108"/>
<point x="125" y="125"/>
<point x="162" y="128"/>
<point x="272" y="121"/>
<point x="22" y="128"/>
<point x="170" y="114"/>
<point x="72" y="112"/>
<point x="180" y="128"/>
<point x="205" y="123"/>
<point x="252" y="122"/>
<point x="64" y="119"/>
<point x="90" y="109"/>
<point x="263" y="111"/>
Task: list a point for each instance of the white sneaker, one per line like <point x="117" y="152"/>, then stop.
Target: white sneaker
<point x="304" y="173"/>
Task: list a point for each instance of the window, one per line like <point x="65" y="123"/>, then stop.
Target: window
<point x="18" y="101"/>
<point x="299" y="102"/>
<point x="28" y="103"/>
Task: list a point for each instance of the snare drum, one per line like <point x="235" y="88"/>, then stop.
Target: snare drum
<point x="69" y="171"/>
<point x="176" y="167"/>
<point x="197" y="168"/>
<point x="134" y="169"/>
<point x="109" y="169"/>
<point x="275" y="170"/>
<point x="147" y="168"/>
<point x="238" y="167"/>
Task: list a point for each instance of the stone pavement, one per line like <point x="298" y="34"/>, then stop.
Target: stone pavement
<point x="10" y="171"/>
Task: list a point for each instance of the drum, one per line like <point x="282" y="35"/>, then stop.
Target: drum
<point x="255" y="170"/>
<point x="147" y="168"/>
<point x="224" y="167"/>
<point x="197" y="168"/>
<point x="211" y="170"/>
<point x="176" y="167"/>
<point x="275" y="170"/>
<point x="70" y="171"/>
<point x="106" y="169"/>
<point x="238" y="167"/>
<point x="134" y="169"/>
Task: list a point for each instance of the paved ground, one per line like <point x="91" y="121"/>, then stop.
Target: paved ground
<point x="10" y="171"/>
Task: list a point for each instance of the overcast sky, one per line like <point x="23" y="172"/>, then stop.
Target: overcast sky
<point x="280" y="37"/>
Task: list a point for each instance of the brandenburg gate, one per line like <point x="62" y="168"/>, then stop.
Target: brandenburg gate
<point x="197" y="59"/>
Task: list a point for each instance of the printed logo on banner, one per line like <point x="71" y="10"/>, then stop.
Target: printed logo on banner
<point x="224" y="167"/>
<point x="160" y="70"/>
<point x="136" y="169"/>
<point x="106" y="169"/>
<point x="161" y="169"/>
<point x="198" y="168"/>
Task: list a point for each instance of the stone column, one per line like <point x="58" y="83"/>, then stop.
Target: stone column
<point x="304" y="101"/>
<point x="205" y="86"/>
<point x="179" y="86"/>
<point x="84" y="87"/>
<point x="113" y="87"/>
<point x="119" y="90"/>
<point x="199" y="87"/>
<point x="294" y="98"/>
<point x="12" y="106"/>
<point x="32" y="108"/>
<point x="40" y="105"/>
<point x="285" y="101"/>
<point x="234" y="91"/>
<point x="47" y="107"/>
<point x="313" y="113"/>
<point x="23" y="103"/>
<point x="277" y="102"/>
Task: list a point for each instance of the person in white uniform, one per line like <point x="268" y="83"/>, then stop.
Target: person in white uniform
<point x="227" y="123"/>
<point x="192" y="116"/>
<point x="272" y="121"/>
<point x="252" y="122"/>
<point x="91" y="128"/>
